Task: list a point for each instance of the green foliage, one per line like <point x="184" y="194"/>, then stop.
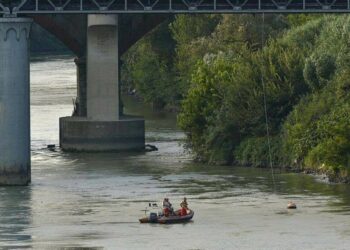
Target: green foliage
<point x="233" y="31"/>
<point x="222" y="68"/>
<point x="333" y="148"/>
<point x="188" y="31"/>
<point x="155" y="85"/>
<point x="317" y="131"/>
<point x="197" y="36"/>
<point x="205" y="117"/>
<point x="238" y="78"/>
<point x="180" y="44"/>
<point x="254" y="151"/>
<point x="304" y="76"/>
<point x="186" y="28"/>
<point x="296" y="20"/>
<point x="147" y="67"/>
<point x="318" y="71"/>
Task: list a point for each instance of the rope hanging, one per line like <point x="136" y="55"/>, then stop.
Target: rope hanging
<point x="265" y="105"/>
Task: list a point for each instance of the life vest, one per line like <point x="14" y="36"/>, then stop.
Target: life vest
<point x="166" y="211"/>
<point x="183" y="211"/>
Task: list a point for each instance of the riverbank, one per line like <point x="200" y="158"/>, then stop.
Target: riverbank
<point x="319" y="173"/>
<point x="327" y="176"/>
<point x="256" y="155"/>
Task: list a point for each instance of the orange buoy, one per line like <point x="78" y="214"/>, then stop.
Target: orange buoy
<point x="291" y="205"/>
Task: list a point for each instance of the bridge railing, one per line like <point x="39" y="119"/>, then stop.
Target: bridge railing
<point x="171" y="6"/>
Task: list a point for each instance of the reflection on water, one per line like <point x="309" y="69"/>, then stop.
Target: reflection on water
<point x="15" y="211"/>
<point x="93" y="201"/>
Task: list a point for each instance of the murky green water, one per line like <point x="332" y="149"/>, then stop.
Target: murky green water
<point x="93" y="201"/>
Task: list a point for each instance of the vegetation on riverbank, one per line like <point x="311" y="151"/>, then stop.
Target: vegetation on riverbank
<point x="223" y="68"/>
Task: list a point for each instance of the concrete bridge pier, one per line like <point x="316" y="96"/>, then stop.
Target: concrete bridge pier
<point x="14" y="101"/>
<point x="102" y="68"/>
<point x="102" y="128"/>
<point x="80" y="108"/>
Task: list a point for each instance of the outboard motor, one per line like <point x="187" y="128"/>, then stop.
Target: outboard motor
<point x="153" y="217"/>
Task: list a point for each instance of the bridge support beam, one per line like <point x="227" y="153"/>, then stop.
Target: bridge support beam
<point x="103" y="129"/>
<point x="14" y="101"/>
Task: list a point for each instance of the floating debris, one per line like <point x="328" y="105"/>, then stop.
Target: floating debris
<point x="51" y="147"/>
<point x="149" y="148"/>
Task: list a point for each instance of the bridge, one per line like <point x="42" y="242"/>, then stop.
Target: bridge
<point x="171" y="6"/>
<point x="98" y="32"/>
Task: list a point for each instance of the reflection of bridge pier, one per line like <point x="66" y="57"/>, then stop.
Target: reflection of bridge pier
<point x="102" y="128"/>
<point x="14" y="101"/>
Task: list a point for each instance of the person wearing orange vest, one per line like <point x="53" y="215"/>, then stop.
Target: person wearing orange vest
<point x="167" y="207"/>
<point x="184" y="207"/>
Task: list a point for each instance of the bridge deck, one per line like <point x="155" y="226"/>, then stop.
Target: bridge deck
<point x="172" y="6"/>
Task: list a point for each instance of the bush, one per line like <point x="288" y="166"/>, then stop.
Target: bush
<point x="254" y="151"/>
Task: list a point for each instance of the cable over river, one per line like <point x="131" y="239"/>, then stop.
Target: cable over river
<point x="94" y="201"/>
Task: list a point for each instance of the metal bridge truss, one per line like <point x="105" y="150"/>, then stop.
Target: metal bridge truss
<point x="14" y="7"/>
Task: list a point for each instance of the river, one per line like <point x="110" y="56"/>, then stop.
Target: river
<point x="93" y="201"/>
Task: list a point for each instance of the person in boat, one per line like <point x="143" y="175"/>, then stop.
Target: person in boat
<point x="184" y="207"/>
<point x="167" y="207"/>
<point x="184" y="203"/>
